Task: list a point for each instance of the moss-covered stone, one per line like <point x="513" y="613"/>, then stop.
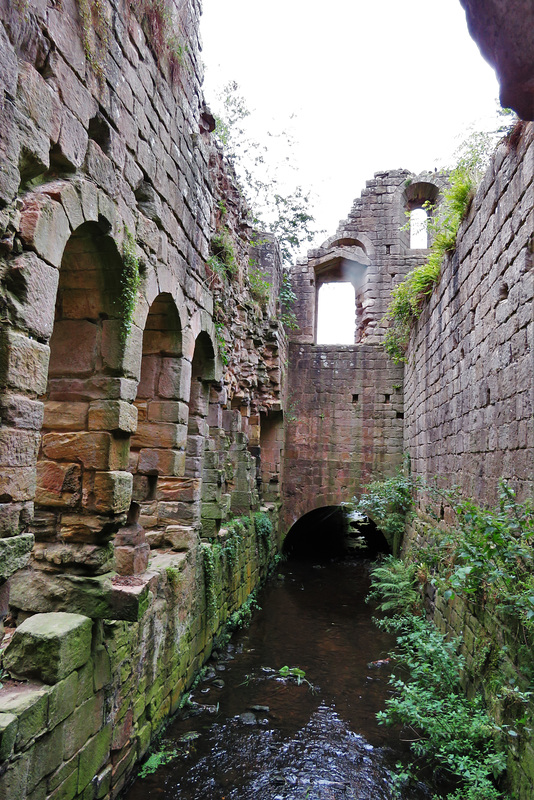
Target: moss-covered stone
<point x="14" y="554"/>
<point x="49" y="646"/>
<point x="93" y="756"/>
<point x="30" y="705"/>
<point x="62" y="700"/>
<point x="8" y="734"/>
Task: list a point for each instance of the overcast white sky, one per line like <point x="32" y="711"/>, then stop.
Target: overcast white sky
<point x="372" y="85"/>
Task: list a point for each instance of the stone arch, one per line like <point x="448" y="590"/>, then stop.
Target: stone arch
<point x="157" y="454"/>
<point x="83" y="486"/>
<point x="333" y="530"/>
<point x="419" y="194"/>
<point x="203" y="368"/>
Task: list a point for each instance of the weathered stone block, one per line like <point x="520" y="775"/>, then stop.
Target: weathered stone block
<point x="58" y="485"/>
<point x="160" y="434"/>
<point x="132" y="560"/>
<point x="113" y="415"/>
<point x="112" y="491"/>
<point x="49" y="646"/>
<point x="65" y="416"/>
<point x="185" y="489"/>
<point x="8" y="734"/>
<point x="86" y="528"/>
<point x="161" y="462"/>
<point x="181" y="537"/>
<point x="44" y="227"/>
<point x="33" y="306"/>
<point x="23" y="362"/>
<point x="94" y="596"/>
<point x="93" y="756"/>
<point x="17" y="484"/>
<point x="21" y="412"/>
<point x="62" y="699"/>
<point x="73" y="347"/>
<point x="29" y="704"/>
<point x="15" y="553"/>
<point x="167" y="411"/>
<point x="91" y="448"/>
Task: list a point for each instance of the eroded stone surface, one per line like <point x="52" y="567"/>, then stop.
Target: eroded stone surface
<point x="49" y="646"/>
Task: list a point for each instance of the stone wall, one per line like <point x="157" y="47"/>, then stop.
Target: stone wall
<point x="136" y="372"/>
<point x="96" y="692"/>
<point x="344" y="412"/>
<point x="343" y="425"/>
<point x="469" y="377"/>
<point x="468" y="410"/>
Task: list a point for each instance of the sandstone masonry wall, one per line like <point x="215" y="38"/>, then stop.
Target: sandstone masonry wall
<point x="344" y="413"/>
<point x="129" y="442"/>
<point x="469" y="370"/>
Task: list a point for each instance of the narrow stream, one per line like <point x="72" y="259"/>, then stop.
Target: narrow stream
<point x="266" y="737"/>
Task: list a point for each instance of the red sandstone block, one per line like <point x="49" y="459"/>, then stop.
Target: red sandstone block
<point x="161" y="462"/>
<point x="184" y="489"/>
<point x="63" y="415"/>
<point x="58" y="485"/>
<point x="160" y="434"/>
<point x="92" y="449"/>
<point x="112" y="415"/>
<point x="73" y="348"/>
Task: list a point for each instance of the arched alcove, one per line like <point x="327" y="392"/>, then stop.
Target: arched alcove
<point x="83" y="486"/>
<point x="333" y="531"/>
<point x="202" y="373"/>
<point x="158" y="447"/>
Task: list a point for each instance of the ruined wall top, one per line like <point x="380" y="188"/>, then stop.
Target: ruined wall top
<point x="370" y="249"/>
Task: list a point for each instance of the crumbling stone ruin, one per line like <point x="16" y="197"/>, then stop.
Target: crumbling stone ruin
<point x="161" y="431"/>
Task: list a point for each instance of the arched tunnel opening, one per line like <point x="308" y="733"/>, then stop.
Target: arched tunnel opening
<point x="334" y="532"/>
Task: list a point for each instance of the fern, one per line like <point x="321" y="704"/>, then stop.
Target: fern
<point x="394" y="583"/>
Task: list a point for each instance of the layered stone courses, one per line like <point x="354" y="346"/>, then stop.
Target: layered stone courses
<point x="95" y="467"/>
<point x="112" y="444"/>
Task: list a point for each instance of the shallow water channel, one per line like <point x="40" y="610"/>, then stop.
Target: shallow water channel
<point x="265" y="737"/>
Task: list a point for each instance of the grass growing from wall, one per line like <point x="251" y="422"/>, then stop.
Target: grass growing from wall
<point x="408" y="297"/>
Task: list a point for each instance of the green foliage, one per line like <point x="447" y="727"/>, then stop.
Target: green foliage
<point x="263" y="526"/>
<point x="209" y="561"/>
<point x="292" y="672"/>
<point x="394" y="584"/>
<point x="259" y="287"/>
<point x="157" y="759"/>
<point x="287" y="301"/>
<point x="220" y="328"/>
<point x="408" y="297"/>
<point x="129" y="280"/>
<point x="223" y="260"/>
<point x="448" y="728"/>
<point x="234" y="541"/>
<point x="388" y="503"/>
<point x="488" y="554"/>
<point x="286" y="214"/>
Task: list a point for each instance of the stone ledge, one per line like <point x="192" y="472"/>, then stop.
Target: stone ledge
<point x="49" y="646"/>
<point x="95" y="597"/>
